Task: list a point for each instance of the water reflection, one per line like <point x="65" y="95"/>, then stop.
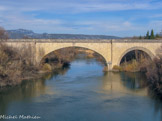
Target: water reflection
<point x="54" y="74"/>
<point x="122" y="82"/>
<point x="28" y="89"/>
<point x="157" y="108"/>
<point x="133" y="80"/>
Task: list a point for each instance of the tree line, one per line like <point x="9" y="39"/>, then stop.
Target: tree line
<point x="150" y="35"/>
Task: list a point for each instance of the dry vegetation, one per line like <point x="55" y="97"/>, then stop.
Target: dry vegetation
<point x="58" y="59"/>
<point x="136" y="64"/>
<point x="154" y="74"/>
<point x="14" y="66"/>
<point x="3" y="34"/>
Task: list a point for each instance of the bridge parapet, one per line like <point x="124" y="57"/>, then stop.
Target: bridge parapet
<point x="86" y="40"/>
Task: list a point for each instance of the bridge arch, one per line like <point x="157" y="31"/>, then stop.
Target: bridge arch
<point x="99" y="53"/>
<point x="148" y="52"/>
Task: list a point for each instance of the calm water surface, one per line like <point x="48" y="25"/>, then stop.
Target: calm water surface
<point x="83" y="93"/>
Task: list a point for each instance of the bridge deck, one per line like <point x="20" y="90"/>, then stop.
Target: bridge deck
<point x="85" y="41"/>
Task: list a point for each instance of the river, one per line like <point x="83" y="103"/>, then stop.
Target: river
<point x="82" y="92"/>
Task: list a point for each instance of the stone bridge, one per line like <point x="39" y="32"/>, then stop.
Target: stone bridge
<point x="111" y="50"/>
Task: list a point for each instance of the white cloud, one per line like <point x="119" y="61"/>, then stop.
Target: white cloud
<point x="16" y="21"/>
<point x="127" y="23"/>
<point x="78" y="6"/>
<point x="116" y="27"/>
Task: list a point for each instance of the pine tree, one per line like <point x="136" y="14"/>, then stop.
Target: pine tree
<point x="140" y="37"/>
<point x="147" y="35"/>
<point x="152" y="36"/>
<point x="157" y="36"/>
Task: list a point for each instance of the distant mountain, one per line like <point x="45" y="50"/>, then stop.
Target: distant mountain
<point x="22" y="33"/>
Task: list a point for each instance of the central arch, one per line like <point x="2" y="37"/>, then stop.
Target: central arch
<point x="100" y="54"/>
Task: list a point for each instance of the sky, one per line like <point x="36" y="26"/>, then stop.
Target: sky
<point x="97" y="17"/>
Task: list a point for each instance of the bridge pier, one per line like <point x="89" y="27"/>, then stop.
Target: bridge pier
<point x="109" y="66"/>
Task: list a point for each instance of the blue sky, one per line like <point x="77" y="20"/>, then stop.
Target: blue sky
<point x="101" y="17"/>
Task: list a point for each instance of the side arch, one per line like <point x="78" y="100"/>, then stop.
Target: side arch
<point x="150" y="54"/>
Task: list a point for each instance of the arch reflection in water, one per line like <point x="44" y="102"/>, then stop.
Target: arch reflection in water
<point x="133" y="81"/>
<point x="124" y="81"/>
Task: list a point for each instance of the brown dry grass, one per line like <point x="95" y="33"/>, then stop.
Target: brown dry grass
<point x="14" y="66"/>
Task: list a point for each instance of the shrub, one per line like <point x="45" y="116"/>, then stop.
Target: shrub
<point x="117" y="68"/>
<point x="154" y="74"/>
<point x="131" y="66"/>
<point x="14" y="66"/>
<point x="46" y="67"/>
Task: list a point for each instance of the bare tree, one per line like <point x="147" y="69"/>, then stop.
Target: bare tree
<point x="3" y="34"/>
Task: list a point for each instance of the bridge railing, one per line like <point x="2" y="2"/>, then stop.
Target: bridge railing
<point x="86" y="40"/>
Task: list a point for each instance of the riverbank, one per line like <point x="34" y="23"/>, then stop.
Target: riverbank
<point x="154" y="76"/>
<point x="15" y="66"/>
